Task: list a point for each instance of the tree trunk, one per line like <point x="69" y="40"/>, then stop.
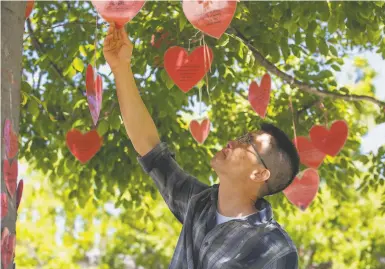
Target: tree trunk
<point x="12" y="28"/>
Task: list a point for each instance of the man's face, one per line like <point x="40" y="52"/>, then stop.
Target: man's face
<point x="242" y="156"/>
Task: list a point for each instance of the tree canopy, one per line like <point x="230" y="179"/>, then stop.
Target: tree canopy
<point x="300" y="44"/>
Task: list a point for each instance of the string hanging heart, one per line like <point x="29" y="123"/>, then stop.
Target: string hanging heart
<point x="309" y="155"/>
<point x="83" y="146"/>
<point x="259" y="96"/>
<point x="119" y="12"/>
<point x="302" y="191"/>
<point x="187" y="70"/>
<point x="94" y="92"/>
<point x="200" y="130"/>
<point x="330" y="141"/>
<point x="212" y="17"/>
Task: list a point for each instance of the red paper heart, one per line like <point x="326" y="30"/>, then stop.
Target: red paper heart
<point x="259" y="96"/>
<point x="212" y="17"/>
<point x="83" y="146"/>
<point x="119" y="12"/>
<point x="187" y="70"/>
<point x="4" y="205"/>
<point x="330" y="141"/>
<point x="302" y="191"/>
<point x="28" y="8"/>
<point x="10" y="140"/>
<point x="200" y="130"/>
<point x="10" y="175"/>
<point x="94" y="91"/>
<point x="309" y="155"/>
<point x="19" y="193"/>
<point x="8" y="243"/>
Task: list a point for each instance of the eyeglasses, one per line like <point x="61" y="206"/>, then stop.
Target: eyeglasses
<point x="248" y="139"/>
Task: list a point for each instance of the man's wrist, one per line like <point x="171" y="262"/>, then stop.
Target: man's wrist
<point x="121" y="69"/>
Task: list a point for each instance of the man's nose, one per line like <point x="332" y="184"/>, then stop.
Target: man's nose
<point x="231" y="144"/>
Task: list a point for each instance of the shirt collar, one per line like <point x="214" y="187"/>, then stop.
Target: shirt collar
<point x="264" y="214"/>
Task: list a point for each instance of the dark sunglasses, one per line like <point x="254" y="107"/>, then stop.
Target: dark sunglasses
<point x="248" y="139"/>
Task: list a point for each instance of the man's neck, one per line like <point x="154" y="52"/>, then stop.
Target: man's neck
<point x="232" y="202"/>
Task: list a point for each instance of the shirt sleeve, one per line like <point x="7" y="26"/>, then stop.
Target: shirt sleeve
<point x="287" y="261"/>
<point x="175" y="185"/>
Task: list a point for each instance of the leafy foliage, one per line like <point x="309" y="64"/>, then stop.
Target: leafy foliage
<point x="307" y="39"/>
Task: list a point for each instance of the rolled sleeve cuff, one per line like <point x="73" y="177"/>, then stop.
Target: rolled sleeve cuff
<point x="148" y="161"/>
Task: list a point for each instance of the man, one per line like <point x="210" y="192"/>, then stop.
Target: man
<point x="228" y="225"/>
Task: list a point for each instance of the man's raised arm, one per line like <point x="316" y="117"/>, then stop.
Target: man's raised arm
<point x="175" y="185"/>
<point x="139" y="125"/>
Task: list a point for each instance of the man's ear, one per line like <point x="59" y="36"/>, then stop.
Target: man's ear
<point x="260" y="175"/>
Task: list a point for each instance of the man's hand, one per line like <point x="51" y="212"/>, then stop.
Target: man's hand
<point x="117" y="48"/>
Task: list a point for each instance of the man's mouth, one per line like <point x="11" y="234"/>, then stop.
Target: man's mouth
<point x="225" y="151"/>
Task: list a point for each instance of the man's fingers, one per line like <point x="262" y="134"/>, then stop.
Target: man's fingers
<point x="111" y="29"/>
<point x="107" y="40"/>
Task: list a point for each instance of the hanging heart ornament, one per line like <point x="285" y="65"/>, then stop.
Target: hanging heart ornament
<point x="83" y="146"/>
<point x="120" y="12"/>
<point x="10" y="172"/>
<point x="10" y="140"/>
<point x="187" y="70"/>
<point x="259" y="96"/>
<point x="330" y="141"/>
<point x="94" y="91"/>
<point x="309" y="155"/>
<point x="8" y="243"/>
<point x="212" y="17"/>
<point x="200" y="130"/>
<point x="302" y="191"/>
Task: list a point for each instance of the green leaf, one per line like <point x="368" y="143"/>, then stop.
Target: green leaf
<point x="333" y="50"/>
<point x="102" y="128"/>
<point x="182" y="22"/>
<point x="224" y="40"/>
<point x="73" y="194"/>
<point x="285" y="48"/>
<point x="70" y="72"/>
<point x="26" y="87"/>
<point x="33" y="108"/>
<point x="78" y="123"/>
<point x="24" y="98"/>
<point x="311" y="43"/>
<point x="323" y="47"/>
<point x="82" y="50"/>
<point x="298" y="37"/>
<point x="333" y="23"/>
<point x="311" y="28"/>
<point x="240" y="50"/>
<point x="325" y="74"/>
<point x="115" y="122"/>
<point x="78" y="64"/>
<point x="344" y="90"/>
<point x="336" y="67"/>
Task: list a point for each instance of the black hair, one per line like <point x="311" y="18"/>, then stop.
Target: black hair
<point x="285" y="148"/>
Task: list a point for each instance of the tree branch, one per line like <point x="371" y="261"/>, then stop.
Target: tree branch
<point x="307" y="106"/>
<point x="301" y="85"/>
<point x="39" y="48"/>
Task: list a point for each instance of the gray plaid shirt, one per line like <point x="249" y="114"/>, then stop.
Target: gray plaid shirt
<point x="257" y="242"/>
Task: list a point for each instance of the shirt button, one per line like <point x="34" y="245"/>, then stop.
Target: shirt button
<point x="206" y="244"/>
